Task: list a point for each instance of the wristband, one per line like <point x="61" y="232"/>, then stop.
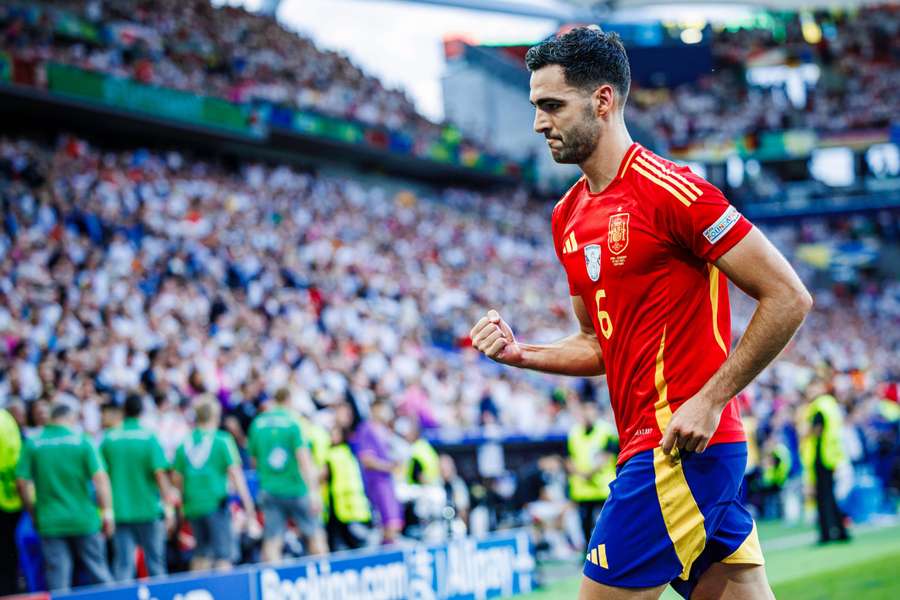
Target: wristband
<point x="107" y="514"/>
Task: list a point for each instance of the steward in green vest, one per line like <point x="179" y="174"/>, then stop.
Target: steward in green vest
<point x="823" y="453"/>
<point x="318" y="440"/>
<point x="593" y="449"/>
<point x="776" y="466"/>
<point x="423" y="466"/>
<point x="10" y="503"/>
<point x="347" y="507"/>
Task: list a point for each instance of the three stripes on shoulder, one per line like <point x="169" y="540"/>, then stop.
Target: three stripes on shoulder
<point x="672" y="181"/>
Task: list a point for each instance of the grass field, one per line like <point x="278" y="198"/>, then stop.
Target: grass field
<point x="868" y="568"/>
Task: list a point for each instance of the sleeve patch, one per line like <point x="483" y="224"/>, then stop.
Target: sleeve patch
<point x="723" y="225"/>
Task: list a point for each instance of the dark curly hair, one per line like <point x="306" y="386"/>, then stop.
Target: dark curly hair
<point x="589" y="56"/>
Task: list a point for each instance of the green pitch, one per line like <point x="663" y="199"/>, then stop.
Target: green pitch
<point x="865" y="569"/>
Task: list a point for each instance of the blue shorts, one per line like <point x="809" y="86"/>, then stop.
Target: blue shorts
<point x="668" y="519"/>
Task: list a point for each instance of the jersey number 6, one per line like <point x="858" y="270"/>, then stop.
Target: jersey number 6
<point x="606" y="326"/>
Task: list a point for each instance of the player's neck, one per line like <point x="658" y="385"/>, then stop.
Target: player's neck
<point x="602" y="166"/>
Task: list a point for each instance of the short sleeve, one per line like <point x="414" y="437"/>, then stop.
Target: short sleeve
<point x="180" y="461"/>
<point x="23" y="467"/>
<point x="359" y="442"/>
<point x="231" y="451"/>
<point x="556" y="227"/>
<point x="297" y="438"/>
<point x="158" y="457"/>
<point x="92" y="461"/>
<point x="697" y="217"/>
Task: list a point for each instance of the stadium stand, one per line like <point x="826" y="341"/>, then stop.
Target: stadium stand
<point x="182" y="277"/>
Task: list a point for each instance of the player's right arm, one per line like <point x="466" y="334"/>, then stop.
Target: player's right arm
<point x="578" y="355"/>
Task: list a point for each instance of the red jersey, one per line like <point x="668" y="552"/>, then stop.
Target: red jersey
<point x="640" y="254"/>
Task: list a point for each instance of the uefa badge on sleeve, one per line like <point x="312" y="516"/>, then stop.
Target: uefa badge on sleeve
<point x="592" y="260"/>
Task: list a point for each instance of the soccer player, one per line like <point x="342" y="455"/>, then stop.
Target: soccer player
<point x="647" y="246"/>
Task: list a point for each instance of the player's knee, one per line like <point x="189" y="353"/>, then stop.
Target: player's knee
<point x="733" y="582"/>
<point x="592" y="590"/>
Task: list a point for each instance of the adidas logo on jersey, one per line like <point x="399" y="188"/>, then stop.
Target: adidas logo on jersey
<point x="571" y="245"/>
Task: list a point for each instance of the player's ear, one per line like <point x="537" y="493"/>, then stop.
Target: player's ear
<point x="604" y="99"/>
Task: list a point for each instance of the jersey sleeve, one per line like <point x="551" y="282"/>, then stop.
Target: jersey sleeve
<point x="158" y="456"/>
<point x="698" y="217"/>
<point x="556" y="227"/>
<point x="231" y="450"/>
<point x="23" y="467"/>
<point x="298" y="440"/>
<point x="92" y="462"/>
<point x="179" y="464"/>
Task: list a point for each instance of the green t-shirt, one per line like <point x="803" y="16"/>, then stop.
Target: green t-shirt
<point x="61" y="464"/>
<point x="273" y="441"/>
<point x="203" y="461"/>
<point x="133" y="456"/>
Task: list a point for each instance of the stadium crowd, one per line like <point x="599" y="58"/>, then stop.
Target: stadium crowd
<point x="206" y="304"/>
<point x="854" y="85"/>
<point x="855" y="89"/>
<point x="244" y="57"/>
<point x="193" y="46"/>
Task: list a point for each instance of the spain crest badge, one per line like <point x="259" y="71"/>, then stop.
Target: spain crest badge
<point x="617" y="238"/>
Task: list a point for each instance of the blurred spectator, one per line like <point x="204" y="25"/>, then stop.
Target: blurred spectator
<point x="372" y="444"/>
<point x="288" y="480"/>
<point x="204" y="463"/>
<point x="423" y="466"/>
<point x="58" y="473"/>
<point x="349" y="513"/>
<point x="540" y="493"/>
<point x="823" y="453"/>
<point x="458" y="497"/>
<point x="137" y="471"/>
<point x="593" y="448"/>
<point x="10" y="503"/>
<point x="776" y="466"/>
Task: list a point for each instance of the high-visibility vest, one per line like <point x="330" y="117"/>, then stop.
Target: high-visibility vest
<point x="832" y="449"/>
<point x="777" y="474"/>
<point x="346" y="487"/>
<point x="583" y="449"/>
<point x="10" y="449"/>
<point x="889" y="411"/>
<point x="317" y="438"/>
<point x="428" y="460"/>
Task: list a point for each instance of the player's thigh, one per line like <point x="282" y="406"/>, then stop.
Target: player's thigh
<point x="733" y="582"/>
<point x="591" y="590"/>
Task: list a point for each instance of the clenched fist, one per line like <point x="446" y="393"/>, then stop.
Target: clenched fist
<point x="492" y="337"/>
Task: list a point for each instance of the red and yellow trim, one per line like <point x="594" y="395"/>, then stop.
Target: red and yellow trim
<point x="680" y="512"/>
<point x="626" y="160"/>
<point x="749" y="552"/>
<point x="673" y="182"/>
<point x="714" y="301"/>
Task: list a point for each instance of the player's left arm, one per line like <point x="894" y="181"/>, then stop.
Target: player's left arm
<point x="757" y="268"/>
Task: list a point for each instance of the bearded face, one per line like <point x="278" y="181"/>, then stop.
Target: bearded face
<point x="573" y="144"/>
<point x="564" y="115"/>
